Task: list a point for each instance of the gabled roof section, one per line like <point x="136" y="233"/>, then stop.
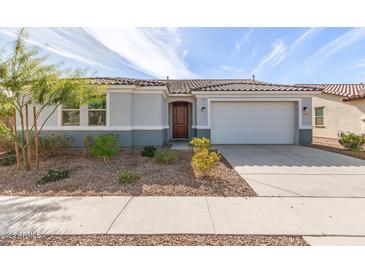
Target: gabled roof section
<point x="348" y="91"/>
<point x="186" y="86"/>
<point x="237" y="86"/>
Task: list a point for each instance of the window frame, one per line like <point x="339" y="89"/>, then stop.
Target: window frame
<point x="98" y="109"/>
<point x="63" y="109"/>
<point x="317" y="116"/>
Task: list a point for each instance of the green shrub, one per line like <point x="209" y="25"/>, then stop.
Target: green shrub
<point x="7" y="160"/>
<point x="128" y="176"/>
<point x="352" y="141"/>
<point x="105" y="146"/>
<point x="200" y="144"/>
<point x="204" y="162"/>
<point x="87" y="144"/>
<point x="148" y="151"/>
<point x="165" y="156"/>
<point x="6" y="142"/>
<point x="54" y="175"/>
<point x="54" y="144"/>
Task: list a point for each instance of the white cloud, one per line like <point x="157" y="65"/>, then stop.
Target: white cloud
<point x="360" y="64"/>
<point x="227" y="68"/>
<point x="275" y="57"/>
<point x="67" y="43"/>
<point x="245" y="39"/>
<point x="345" y="40"/>
<point x="305" y="36"/>
<point x="156" y="52"/>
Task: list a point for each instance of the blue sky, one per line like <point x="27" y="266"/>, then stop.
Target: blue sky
<point x="278" y="55"/>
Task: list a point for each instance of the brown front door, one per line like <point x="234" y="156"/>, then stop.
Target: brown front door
<point x="180" y="120"/>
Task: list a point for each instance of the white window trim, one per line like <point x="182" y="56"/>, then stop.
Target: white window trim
<point x="315" y="116"/>
<point x="68" y="109"/>
<point x="100" y="109"/>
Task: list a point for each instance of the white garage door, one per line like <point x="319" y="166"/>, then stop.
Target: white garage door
<point x="252" y="122"/>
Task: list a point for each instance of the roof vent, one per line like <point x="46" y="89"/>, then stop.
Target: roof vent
<point x="253" y="77"/>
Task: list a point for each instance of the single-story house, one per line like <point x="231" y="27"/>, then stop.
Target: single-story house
<point x="340" y="108"/>
<point x="154" y="112"/>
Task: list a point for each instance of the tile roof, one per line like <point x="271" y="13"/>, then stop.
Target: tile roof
<point x="126" y="81"/>
<point x="349" y="91"/>
<point x="186" y="86"/>
<point x="254" y="86"/>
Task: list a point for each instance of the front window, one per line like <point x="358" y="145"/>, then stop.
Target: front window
<point x="319" y="116"/>
<point x="97" y="112"/>
<point x="71" y="115"/>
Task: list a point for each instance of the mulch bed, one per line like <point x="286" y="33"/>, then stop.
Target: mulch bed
<point x="92" y="177"/>
<point x="355" y="154"/>
<point x="156" y="240"/>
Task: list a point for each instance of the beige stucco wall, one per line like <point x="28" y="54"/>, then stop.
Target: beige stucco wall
<point x="339" y="116"/>
<point x="125" y="108"/>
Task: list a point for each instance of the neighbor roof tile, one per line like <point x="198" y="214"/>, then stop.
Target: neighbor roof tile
<point x="349" y="91"/>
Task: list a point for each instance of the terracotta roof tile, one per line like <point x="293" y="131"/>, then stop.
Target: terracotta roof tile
<point x="127" y="81"/>
<point x="186" y="86"/>
<point x="349" y="91"/>
<point x="254" y="86"/>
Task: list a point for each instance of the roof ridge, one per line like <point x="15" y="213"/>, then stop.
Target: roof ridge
<point x="248" y="81"/>
<point x="251" y="82"/>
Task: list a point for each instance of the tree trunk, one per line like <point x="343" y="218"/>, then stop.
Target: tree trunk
<point x="36" y="140"/>
<point x="16" y="140"/>
<point x="27" y="132"/>
<point x="22" y="141"/>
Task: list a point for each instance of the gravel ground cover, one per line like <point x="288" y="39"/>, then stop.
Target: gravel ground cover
<point x="332" y="145"/>
<point x="156" y="240"/>
<point x="91" y="176"/>
<point x="355" y="154"/>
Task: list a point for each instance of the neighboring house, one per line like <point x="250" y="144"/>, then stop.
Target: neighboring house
<point x="154" y="112"/>
<point x="340" y="108"/>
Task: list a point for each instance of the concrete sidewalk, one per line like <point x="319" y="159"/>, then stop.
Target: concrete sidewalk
<point x="183" y="215"/>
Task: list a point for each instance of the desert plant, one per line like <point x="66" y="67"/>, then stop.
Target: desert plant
<point x="54" y="175"/>
<point x="6" y="143"/>
<point x="127" y="176"/>
<point x="7" y="160"/>
<point x="200" y="144"/>
<point x="54" y="144"/>
<point x="165" y="156"/>
<point x="105" y="146"/>
<point x="148" y="151"/>
<point x="205" y="161"/>
<point x="352" y="141"/>
<point x="27" y="77"/>
<point x="87" y="144"/>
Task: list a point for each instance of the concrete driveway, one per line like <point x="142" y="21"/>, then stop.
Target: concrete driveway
<point x="289" y="170"/>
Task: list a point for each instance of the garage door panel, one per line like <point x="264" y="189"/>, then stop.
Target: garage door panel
<point x="252" y="122"/>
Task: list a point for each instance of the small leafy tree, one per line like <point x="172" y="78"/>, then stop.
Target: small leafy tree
<point x="27" y="78"/>
<point x="352" y="141"/>
<point x="105" y="146"/>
